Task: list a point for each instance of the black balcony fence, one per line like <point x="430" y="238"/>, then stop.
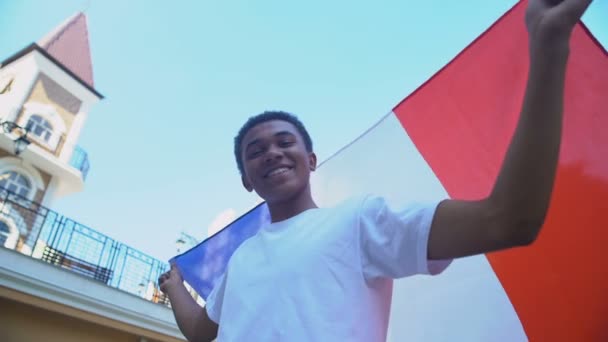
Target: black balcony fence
<point x="55" y="257"/>
<point x="35" y="230"/>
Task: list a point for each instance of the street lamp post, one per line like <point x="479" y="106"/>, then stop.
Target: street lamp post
<point x="179" y="244"/>
<point x="21" y="144"/>
<point x="185" y="241"/>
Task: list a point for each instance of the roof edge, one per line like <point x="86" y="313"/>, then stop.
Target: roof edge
<point x="35" y="47"/>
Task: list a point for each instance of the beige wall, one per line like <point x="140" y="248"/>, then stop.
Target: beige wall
<point x="4" y="153"/>
<point x="25" y="323"/>
<point x="48" y="91"/>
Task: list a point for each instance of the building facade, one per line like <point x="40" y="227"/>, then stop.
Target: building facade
<point x="61" y="280"/>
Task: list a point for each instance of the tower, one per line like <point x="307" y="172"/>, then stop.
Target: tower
<point x="60" y="279"/>
<point x="46" y="92"/>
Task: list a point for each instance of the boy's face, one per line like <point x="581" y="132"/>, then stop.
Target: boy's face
<point x="275" y="160"/>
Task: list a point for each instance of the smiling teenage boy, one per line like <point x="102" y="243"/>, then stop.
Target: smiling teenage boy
<point x="322" y="274"/>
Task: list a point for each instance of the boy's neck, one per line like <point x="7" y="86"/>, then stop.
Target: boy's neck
<point x="284" y="210"/>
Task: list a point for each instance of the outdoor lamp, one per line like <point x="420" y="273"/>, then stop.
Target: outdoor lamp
<point x="22" y="141"/>
<point x="8" y="126"/>
<point x="21" y="144"/>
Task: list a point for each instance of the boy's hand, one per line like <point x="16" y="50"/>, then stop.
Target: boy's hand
<point x="191" y="318"/>
<point x="170" y="279"/>
<point x="550" y="22"/>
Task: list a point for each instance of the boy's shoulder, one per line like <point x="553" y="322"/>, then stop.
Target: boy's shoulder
<point x="357" y="205"/>
<point x="351" y="203"/>
<point x="361" y="202"/>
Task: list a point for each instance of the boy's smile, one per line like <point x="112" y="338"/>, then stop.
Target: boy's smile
<point x="278" y="171"/>
<point x="275" y="160"/>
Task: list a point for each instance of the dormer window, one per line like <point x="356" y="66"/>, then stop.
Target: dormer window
<point x="44" y="125"/>
<point x="40" y="127"/>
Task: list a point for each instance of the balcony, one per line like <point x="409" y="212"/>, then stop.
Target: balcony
<point x="43" y="234"/>
<point x="80" y="161"/>
<point x="48" y="152"/>
<point x="55" y="144"/>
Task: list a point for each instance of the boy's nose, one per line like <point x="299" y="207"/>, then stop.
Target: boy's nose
<point x="272" y="155"/>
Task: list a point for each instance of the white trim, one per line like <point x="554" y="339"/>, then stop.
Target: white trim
<point x="13" y="232"/>
<point x="51" y="190"/>
<point x="71" y="138"/>
<point x="26" y="74"/>
<point x="13" y="217"/>
<point x="49" y="113"/>
<point x="57" y="285"/>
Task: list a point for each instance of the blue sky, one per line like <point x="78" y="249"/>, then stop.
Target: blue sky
<point x="179" y="81"/>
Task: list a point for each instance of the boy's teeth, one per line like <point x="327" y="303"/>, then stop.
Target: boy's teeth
<point x="277" y="171"/>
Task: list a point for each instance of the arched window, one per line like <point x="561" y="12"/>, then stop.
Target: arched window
<point x="4" y="233"/>
<point x="39" y="127"/>
<point x="16" y="183"/>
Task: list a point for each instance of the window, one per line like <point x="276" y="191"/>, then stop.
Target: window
<point x="4" y="233"/>
<point x="39" y="127"/>
<point x="16" y="183"/>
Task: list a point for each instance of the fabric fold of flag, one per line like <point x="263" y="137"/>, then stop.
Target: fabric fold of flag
<point x="461" y="121"/>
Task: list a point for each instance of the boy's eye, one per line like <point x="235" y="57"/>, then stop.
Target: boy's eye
<point x="285" y="143"/>
<point x="255" y="153"/>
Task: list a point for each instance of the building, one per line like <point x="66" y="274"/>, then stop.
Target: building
<point x="61" y="280"/>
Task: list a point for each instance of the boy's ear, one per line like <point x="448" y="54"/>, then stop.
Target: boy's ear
<point x="246" y="184"/>
<point x="312" y="161"/>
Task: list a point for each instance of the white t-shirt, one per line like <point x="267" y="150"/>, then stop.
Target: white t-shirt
<point x="323" y="275"/>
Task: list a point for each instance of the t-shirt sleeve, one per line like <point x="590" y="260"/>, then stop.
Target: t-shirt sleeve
<point x="394" y="243"/>
<point x="214" y="301"/>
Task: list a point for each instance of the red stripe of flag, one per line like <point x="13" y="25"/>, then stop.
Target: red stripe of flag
<point x="462" y="120"/>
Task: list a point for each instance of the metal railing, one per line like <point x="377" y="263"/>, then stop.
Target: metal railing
<point x="54" y="144"/>
<point x="80" y="161"/>
<point x="44" y="234"/>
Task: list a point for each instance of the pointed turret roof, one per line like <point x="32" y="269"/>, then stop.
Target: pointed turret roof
<point x="68" y="43"/>
<point x="67" y="46"/>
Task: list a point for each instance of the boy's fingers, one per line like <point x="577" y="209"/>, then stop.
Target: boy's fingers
<point x="175" y="269"/>
<point x="574" y="8"/>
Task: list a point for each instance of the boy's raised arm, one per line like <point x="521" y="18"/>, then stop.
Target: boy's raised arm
<point x="514" y="212"/>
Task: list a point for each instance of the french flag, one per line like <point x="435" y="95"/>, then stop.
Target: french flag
<point x="448" y="139"/>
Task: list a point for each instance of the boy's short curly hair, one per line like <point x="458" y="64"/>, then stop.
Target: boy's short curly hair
<point x="264" y="117"/>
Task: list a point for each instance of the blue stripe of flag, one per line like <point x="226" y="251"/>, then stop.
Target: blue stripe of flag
<point x="202" y="265"/>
